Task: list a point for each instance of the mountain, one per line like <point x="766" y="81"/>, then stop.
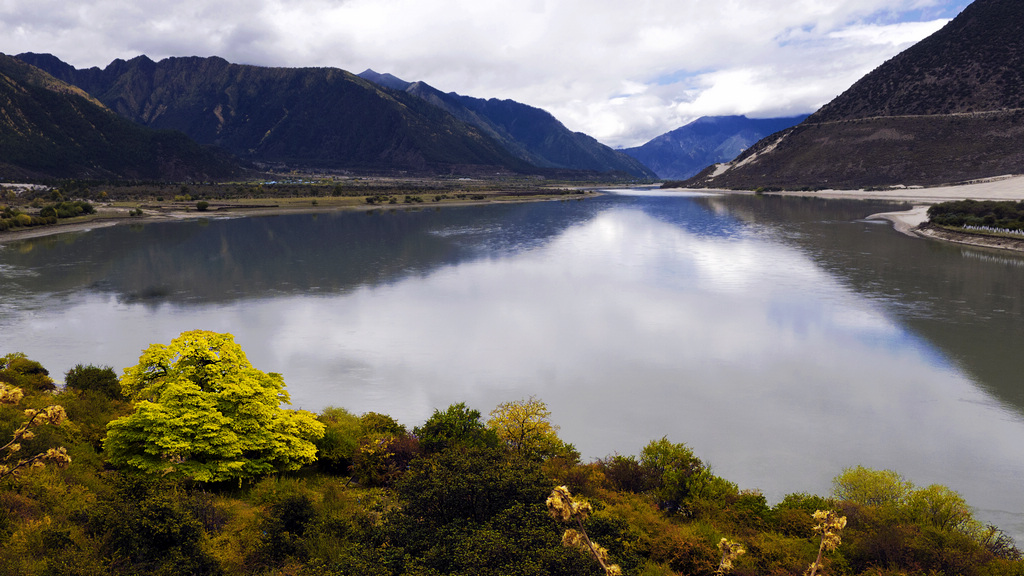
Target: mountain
<point x="531" y="134"/>
<point x="684" y="151"/>
<point x="385" y="80"/>
<point x="948" y="109"/>
<point x="50" y="129"/>
<point x="308" y="117"/>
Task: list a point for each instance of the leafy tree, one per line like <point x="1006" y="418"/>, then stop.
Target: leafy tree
<point x="100" y="379"/>
<point x="458" y="425"/>
<point x="340" y="441"/>
<point x="203" y="412"/>
<point x="526" y="428"/>
<point x="372" y="422"/>
<point x="18" y="370"/>
<point x="676" y="471"/>
<point x="871" y="487"/>
<point x="942" y="508"/>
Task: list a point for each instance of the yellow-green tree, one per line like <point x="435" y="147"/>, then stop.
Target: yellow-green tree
<point x="870" y="487"/>
<point x="525" y="427"/>
<point x="203" y="412"/>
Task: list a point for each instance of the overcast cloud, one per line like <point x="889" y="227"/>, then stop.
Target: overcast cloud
<point x="623" y="72"/>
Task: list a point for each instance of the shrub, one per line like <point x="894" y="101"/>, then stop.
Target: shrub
<point x="96" y="378"/>
<point x="871" y="487"/>
<point x="18" y="370"/>
<point x="337" y="447"/>
<point x="146" y="528"/>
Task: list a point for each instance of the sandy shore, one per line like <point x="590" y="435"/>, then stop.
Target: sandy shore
<point x="908" y="222"/>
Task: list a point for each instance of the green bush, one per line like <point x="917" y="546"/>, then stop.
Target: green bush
<point x="337" y="447"/>
<point x="16" y="369"/>
<point x="96" y="378"/>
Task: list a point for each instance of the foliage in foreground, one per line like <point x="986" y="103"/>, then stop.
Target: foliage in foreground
<point x="456" y="495"/>
<point x="204" y="413"/>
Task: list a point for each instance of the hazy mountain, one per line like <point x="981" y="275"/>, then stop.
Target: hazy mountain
<point x="685" y="151"/>
<point x="948" y="109"/>
<point x="50" y="129"/>
<point x="529" y="133"/>
<point x="313" y="117"/>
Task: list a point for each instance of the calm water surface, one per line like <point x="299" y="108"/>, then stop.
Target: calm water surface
<point x="782" y="339"/>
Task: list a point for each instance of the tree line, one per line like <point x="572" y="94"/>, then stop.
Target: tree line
<point x="190" y="462"/>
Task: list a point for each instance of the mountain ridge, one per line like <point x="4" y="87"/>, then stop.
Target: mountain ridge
<point x="531" y="134"/>
<point x="51" y="129"/>
<point x="683" y="152"/>
<point x="946" y="110"/>
<point x="301" y="117"/>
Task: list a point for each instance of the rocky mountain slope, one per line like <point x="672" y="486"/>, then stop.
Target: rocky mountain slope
<point x="299" y="117"/>
<point x="948" y="109"/>
<point x="50" y="129"/>
<point x="531" y="134"/>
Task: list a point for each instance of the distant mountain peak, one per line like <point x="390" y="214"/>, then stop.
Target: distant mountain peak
<point x="385" y="80"/>
<point x="685" y="151"/>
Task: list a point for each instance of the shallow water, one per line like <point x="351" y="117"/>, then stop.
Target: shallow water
<point x="782" y="339"/>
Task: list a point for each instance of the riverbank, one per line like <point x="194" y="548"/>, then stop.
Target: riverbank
<point x="109" y="215"/>
<point x="910" y="222"/>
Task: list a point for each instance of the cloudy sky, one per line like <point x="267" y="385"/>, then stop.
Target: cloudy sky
<point x="623" y="72"/>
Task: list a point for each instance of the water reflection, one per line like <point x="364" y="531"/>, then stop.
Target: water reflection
<point x="968" y="302"/>
<point x="783" y="342"/>
<point x="224" y="260"/>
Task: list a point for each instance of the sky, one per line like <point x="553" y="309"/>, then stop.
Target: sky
<point x="622" y="72"/>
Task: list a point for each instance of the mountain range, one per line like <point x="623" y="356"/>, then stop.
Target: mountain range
<point x="325" y="118"/>
<point x="948" y="109"/>
<point x="50" y="129"/>
<point x="531" y="134"/>
<point x="683" y="152"/>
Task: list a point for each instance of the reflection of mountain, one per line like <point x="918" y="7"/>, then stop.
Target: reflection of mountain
<point x="225" y="260"/>
<point x="965" y="302"/>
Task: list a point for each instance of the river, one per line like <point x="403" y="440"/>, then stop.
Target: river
<point x="782" y="339"/>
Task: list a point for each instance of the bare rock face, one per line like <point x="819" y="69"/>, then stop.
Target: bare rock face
<point x="948" y="109"/>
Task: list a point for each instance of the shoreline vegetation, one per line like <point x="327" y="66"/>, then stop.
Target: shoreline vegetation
<point x="110" y="475"/>
<point x="130" y="204"/>
<point x="305" y="194"/>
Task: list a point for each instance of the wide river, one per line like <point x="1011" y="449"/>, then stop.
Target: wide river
<point x="782" y="339"/>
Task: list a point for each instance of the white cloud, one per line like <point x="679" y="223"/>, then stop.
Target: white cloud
<point x="622" y="72"/>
